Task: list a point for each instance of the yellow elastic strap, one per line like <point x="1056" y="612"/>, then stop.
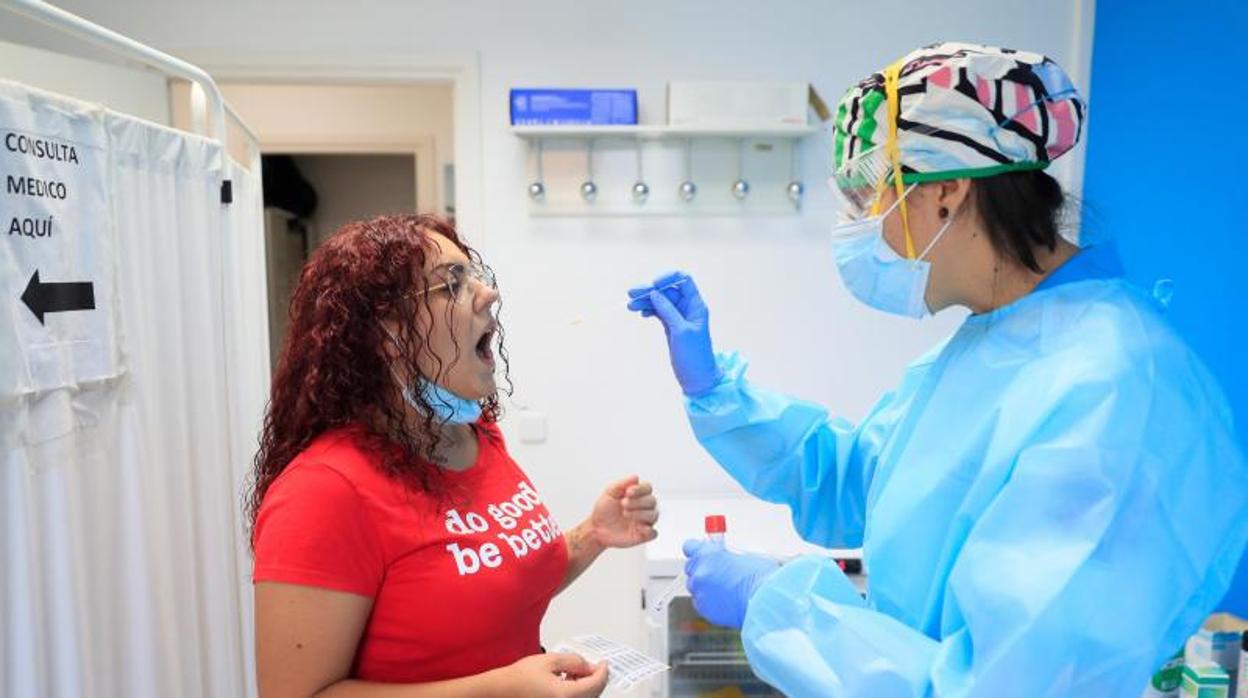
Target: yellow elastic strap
<point x="892" y="80"/>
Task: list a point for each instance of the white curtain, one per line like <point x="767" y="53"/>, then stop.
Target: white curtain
<point x="125" y="571"/>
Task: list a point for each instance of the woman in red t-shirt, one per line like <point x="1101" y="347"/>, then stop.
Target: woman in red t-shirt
<point x="399" y="550"/>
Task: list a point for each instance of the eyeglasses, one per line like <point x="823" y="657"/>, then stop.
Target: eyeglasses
<point x="858" y="182"/>
<point x="455" y="280"/>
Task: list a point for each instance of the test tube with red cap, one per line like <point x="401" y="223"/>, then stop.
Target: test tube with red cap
<point x="715" y="526"/>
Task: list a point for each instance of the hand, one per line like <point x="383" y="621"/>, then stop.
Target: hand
<point x="556" y="676"/>
<point x="625" y="514"/>
<point x="722" y="582"/>
<point x="686" y="322"/>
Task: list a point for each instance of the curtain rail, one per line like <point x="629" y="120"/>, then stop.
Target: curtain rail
<point x="76" y="26"/>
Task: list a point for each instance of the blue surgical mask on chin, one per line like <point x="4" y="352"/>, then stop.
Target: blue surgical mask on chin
<point x="875" y="274"/>
<point x="447" y="407"/>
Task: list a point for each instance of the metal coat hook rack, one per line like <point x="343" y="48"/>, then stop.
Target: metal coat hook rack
<point x="762" y="167"/>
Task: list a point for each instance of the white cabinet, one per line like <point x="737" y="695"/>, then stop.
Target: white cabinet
<point x="705" y="659"/>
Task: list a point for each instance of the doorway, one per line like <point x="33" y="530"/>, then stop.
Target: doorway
<point x="309" y="196"/>
<point x="362" y="149"/>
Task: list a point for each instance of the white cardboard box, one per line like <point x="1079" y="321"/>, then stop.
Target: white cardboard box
<point x="737" y="104"/>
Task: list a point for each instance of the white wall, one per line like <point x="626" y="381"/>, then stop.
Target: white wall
<point x="770" y="282"/>
<point x="129" y="90"/>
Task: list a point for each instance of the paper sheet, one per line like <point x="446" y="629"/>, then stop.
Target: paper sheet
<point x="627" y="666"/>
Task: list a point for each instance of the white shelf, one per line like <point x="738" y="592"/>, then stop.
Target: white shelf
<point x="661" y="132"/>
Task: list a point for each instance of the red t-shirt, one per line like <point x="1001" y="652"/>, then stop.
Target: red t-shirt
<point x="459" y="586"/>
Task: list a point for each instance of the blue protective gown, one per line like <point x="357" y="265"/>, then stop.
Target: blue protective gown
<point x="1049" y="504"/>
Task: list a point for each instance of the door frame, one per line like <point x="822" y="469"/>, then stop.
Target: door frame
<point x="422" y="150"/>
<point x="462" y="71"/>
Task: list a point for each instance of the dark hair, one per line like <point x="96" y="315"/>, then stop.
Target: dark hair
<point x="331" y="372"/>
<point x="1021" y="211"/>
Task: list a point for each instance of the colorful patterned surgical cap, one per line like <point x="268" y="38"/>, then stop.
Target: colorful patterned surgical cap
<point x="964" y="110"/>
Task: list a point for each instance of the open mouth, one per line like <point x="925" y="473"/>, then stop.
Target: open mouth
<point x="485" y="347"/>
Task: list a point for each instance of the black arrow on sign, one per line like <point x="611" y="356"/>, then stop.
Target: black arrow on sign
<point x="57" y="298"/>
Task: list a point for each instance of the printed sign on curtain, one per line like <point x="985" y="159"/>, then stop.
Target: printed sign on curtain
<point x="57" y="321"/>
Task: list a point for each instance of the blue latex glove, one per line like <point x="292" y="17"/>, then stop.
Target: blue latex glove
<point x="674" y="298"/>
<point x="722" y="582"/>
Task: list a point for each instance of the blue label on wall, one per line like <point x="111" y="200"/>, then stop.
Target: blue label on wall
<point x="549" y="107"/>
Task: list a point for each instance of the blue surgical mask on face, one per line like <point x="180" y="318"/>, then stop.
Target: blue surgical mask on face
<point x="446" y="406"/>
<point x="875" y="274"/>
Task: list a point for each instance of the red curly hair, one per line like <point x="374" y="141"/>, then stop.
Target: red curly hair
<point x="332" y="372"/>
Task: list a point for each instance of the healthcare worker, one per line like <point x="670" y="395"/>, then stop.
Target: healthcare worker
<point x="1050" y="501"/>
